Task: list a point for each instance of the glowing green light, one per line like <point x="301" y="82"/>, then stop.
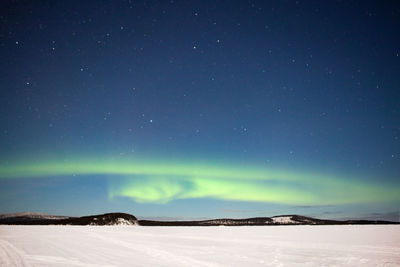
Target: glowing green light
<point x="155" y="182"/>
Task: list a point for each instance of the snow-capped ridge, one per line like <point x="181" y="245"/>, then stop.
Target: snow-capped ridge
<point x="30" y="218"/>
<point x="112" y="219"/>
<point x="43" y="219"/>
<point x="105" y="219"/>
<point x="31" y="215"/>
<point x="284" y="220"/>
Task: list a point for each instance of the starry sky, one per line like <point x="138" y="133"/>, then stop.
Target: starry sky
<point x="200" y="109"/>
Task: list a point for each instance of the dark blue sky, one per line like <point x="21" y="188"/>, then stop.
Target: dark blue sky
<point x="299" y="86"/>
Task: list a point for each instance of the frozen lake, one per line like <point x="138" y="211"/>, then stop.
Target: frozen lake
<point x="350" y="245"/>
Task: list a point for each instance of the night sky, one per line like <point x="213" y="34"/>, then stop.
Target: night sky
<point x="195" y="109"/>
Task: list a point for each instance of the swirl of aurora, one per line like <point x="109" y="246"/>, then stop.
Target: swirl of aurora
<point x="162" y="182"/>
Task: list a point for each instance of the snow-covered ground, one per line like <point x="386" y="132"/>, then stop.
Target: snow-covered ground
<point x="350" y="245"/>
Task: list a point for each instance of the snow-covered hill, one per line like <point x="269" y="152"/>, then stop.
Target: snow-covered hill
<point x="29" y="218"/>
<point x="31" y="215"/>
<point x="284" y="220"/>
<point x="106" y="219"/>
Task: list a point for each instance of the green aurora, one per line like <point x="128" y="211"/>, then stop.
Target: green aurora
<point x="156" y="182"/>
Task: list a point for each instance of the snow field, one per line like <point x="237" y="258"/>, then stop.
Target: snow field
<point x="350" y="245"/>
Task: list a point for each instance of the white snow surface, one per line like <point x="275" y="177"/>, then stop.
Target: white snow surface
<point x="292" y="245"/>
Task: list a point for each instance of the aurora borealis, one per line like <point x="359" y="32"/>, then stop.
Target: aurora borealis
<point x="190" y="109"/>
<point x="161" y="183"/>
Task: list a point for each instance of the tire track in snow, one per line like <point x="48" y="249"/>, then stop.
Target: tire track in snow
<point x="11" y="256"/>
<point x="164" y="256"/>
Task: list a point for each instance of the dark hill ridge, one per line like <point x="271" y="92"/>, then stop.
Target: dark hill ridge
<point x="102" y="219"/>
<point x="29" y="216"/>
<point x="276" y="220"/>
<point x="213" y="222"/>
<point x="127" y="219"/>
